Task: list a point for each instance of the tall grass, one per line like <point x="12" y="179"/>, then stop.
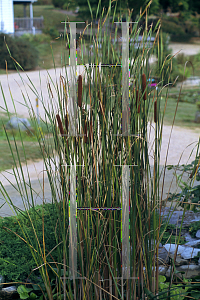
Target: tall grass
<point x="99" y="155"/>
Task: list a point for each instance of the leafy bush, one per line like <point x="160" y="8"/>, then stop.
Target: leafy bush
<point x="181" y="58"/>
<point x="196" y="59"/>
<point x="16" y="260"/>
<point x="36" y="39"/>
<point x="58" y="3"/>
<point x="52" y="31"/>
<point x="23" y="52"/>
<point x="182" y="72"/>
<point x="176" y="292"/>
<point x="198" y="105"/>
<point x="172" y="28"/>
<point x="43" y="2"/>
<point x="194" y="227"/>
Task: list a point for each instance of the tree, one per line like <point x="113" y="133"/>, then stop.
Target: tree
<point x="94" y="4"/>
<point x="179" y="5"/>
<point x="164" y="3"/>
<point x="194" y="5"/>
<point x="154" y="8"/>
<point x="59" y="3"/>
<point x="136" y="5"/>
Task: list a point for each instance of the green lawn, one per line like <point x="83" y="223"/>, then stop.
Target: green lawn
<point x="55" y="52"/>
<point x="186" y="110"/>
<point x="30" y="144"/>
<point x="52" y="16"/>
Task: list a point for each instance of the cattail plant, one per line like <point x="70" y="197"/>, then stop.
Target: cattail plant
<point x="99" y="162"/>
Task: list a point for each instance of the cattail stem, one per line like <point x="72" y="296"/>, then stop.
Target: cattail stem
<point x="155" y="111"/>
<point x="79" y="90"/>
<point x="144" y="85"/>
<point x="66" y="125"/>
<point x="90" y="132"/>
<point x="102" y="106"/>
<point x="66" y="122"/>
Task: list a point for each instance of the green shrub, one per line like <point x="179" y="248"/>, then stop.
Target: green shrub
<point x="43" y="2"/>
<point x="181" y="58"/>
<point x="59" y="3"/>
<point x="172" y="28"/>
<point x="16" y="260"/>
<point x="23" y="52"/>
<point x="198" y="105"/>
<point x="36" y="39"/>
<point x="52" y="31"/>
<point x="194" y="227"/>
<point x="196" y="59"/>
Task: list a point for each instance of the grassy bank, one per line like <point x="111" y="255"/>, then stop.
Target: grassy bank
<point x="28" y="151"/>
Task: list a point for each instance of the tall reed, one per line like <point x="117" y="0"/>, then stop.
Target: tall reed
<point x="99" y="152"/>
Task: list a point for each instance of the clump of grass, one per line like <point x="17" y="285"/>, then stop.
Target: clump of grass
<point x="99" y="163"/>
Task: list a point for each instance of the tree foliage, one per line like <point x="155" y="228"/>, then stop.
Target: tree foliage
<point x="174" y="5"/>
<point x="22" y="51"/>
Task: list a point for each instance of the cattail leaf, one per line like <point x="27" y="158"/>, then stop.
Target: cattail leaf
<point x="66" y="122"/>
<point x="155" y="111"/>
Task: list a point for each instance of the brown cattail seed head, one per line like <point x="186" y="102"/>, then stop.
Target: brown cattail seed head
<point x="138" y="101"/>
<point x="60" y="124"/>
<point x="155" y="111"/>
<point x="79" y="90"/>
<point x="144" y="84"/>
<point x="85" y="132"/>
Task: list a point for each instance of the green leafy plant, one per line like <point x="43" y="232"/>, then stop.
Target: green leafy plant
<point x="176" y="289"/>
<point x="193" y="228"/>
<point x="23" y="52"/>
<point x="16" y="261"/>
<point x="189" y="197"/>
<point x="24" y="293"/>
<point x="52" y="31"/>
<point x="198" y="105"/>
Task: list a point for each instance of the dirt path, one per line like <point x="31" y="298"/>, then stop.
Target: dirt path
<point x="182" y="150"/>
<point x="186" y="49"/>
